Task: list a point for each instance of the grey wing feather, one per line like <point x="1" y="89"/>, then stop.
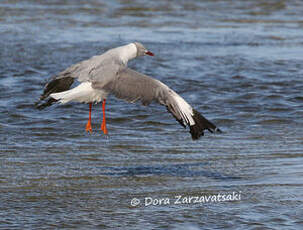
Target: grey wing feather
<point x="105" y="72"/>
<point x="82" y="70"/>
<point x="133" y="86"/>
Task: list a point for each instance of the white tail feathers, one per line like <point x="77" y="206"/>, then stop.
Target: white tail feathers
<point x="82" y="93"/>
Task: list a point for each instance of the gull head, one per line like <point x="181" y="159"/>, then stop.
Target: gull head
<point x="141" y="50"/>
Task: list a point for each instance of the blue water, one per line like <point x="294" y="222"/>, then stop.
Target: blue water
<point x="239" y="63"/>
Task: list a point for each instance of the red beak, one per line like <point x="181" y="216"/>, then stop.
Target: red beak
<point x="149" y="53"/>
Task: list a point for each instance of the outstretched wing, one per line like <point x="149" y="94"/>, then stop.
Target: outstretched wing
<point x="133" y="86"/>
<point x="97" y="69"/>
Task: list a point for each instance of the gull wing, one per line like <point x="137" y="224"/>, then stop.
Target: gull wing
<point x="133" y="86"/>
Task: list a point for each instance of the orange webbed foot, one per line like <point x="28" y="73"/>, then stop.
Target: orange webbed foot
<point x="88" y="127"/>
<point x="89" y="123"/>
<point x="103" y="125"/>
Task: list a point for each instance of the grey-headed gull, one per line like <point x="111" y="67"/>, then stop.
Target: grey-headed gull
<point x="107" y="74"/>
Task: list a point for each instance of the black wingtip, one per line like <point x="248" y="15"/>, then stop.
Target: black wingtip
<point x="217" y="130"/>
<point x="201" y="124"/>
<point x="42" y="105"/>
<point x="55" y="85"/>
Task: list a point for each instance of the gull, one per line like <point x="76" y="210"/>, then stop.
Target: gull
<point x="107" y="74"/>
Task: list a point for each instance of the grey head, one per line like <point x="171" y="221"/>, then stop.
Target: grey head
<point x="141" y="50"/>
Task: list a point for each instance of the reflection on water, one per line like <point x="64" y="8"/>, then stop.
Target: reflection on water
<point x="239" y="63"/>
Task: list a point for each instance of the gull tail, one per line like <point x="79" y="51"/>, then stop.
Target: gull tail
<point x="82" y="93"/>
<point x="63" y="97"/>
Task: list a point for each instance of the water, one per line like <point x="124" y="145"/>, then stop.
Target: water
<point x="239" y="63"/>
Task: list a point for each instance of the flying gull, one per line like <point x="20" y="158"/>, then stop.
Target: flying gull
<point x="107" y="74"/>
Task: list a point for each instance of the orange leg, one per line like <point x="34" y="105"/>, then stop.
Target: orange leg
<point x="103" y="125"/>
<point x="89" y="123"/>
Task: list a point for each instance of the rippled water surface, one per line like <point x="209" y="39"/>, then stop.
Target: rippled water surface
<point x="238" y="62"/>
